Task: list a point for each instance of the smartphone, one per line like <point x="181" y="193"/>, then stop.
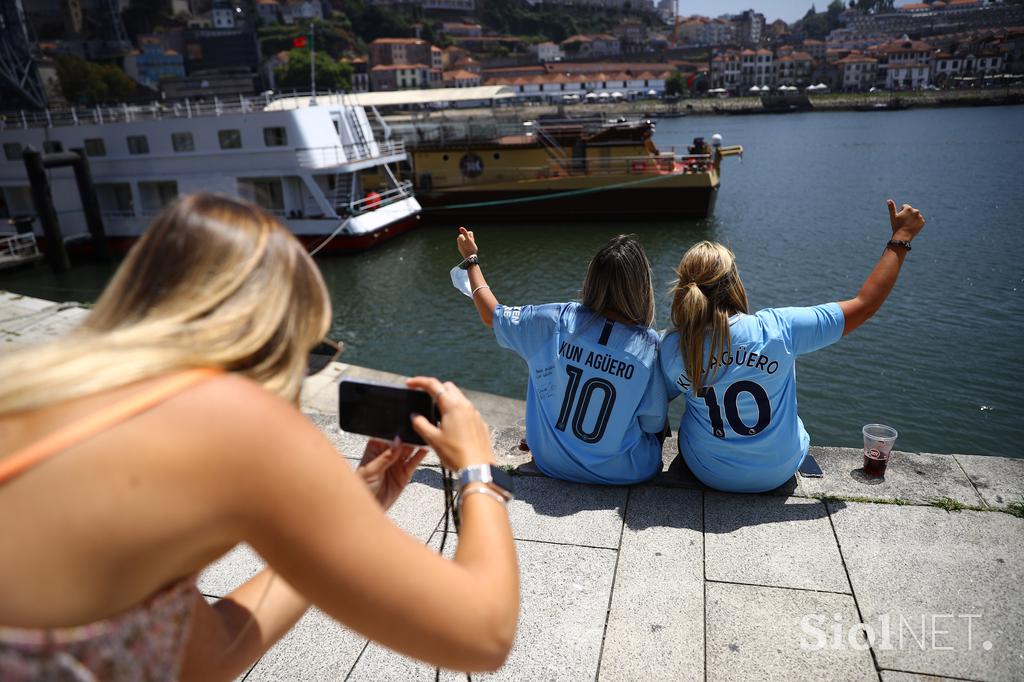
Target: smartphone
<point x="809" y="468"/>
<point x="383" y="411"/>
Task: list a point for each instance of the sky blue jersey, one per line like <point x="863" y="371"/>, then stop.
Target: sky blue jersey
<point x="742" y="433"/>
<point x="594" y="400"/>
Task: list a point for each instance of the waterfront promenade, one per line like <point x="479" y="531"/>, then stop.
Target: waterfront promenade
<point x="669" y="580"/>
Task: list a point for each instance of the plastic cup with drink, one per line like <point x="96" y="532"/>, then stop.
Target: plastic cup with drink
<point x="878" y="442"/>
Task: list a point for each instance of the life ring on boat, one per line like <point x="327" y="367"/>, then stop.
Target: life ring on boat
<point x="372" y="201"/>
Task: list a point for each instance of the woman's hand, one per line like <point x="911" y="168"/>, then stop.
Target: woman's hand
<point x="906" y="223"/>
<point x="387" y="467"/>
<point x="466" y="242"/>
<point x="463" y="437"/>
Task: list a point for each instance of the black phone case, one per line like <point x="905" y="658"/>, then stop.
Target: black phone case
<point x="383" y="411"/>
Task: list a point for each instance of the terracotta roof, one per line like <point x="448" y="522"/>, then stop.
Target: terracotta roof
<point x="460" y="74"/>
<point x="267" y="2"/>
<point x="905" y="46"/>
<point x="910" y="7"/>
<point x="857" y="59"/>
<point x="395" y="67"/>
<point x="399" y="41"/>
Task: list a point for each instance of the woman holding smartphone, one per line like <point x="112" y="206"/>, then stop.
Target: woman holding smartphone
<point x="595" y="405"/>
<point x="166" y="430"/>
<point x="740" y="431"/>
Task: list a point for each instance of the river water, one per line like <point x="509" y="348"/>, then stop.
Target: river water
<point x="805" y="214"/>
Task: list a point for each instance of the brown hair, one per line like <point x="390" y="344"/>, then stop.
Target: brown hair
<point x="619" y="279"/>
<point x="214" y="282"/>
<point x="706" y="292"/>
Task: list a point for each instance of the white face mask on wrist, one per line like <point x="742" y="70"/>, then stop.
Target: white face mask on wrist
<point x="460" y="280"/>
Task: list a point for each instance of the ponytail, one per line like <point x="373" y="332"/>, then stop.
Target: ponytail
<point x="706" y="292"/>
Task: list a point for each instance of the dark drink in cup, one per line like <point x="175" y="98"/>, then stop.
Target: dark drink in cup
<point x="875" y="462"/>
<point x="878" y="442"/>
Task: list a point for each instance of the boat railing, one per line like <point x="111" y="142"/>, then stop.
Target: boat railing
<point x="18" y="245"/>
<point x="186" y="108"/>
<point x="374" y="200"/>
<point x="339" y="155"/>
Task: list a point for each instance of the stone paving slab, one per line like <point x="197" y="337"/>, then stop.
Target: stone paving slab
<point x="549" y="510"/>
<point x="656" y="621"/>
<point x="317" y="648"/>
<point x="564" y="592"/>
<point x="756" y="633"/>
<point x="773" y="541"/>
<point x="946" y="581"/>
<point x="912" y="477"/>
<point x="999" y="480"/>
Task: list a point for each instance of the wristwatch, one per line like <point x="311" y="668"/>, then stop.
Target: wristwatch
<point x="489" y="475"/>
<point x="470" y="260"/>
<point x="899" y="244"/>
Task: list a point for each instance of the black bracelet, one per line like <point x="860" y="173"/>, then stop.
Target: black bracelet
<point x="899" y="244"/>
<point x="470" y="260"/>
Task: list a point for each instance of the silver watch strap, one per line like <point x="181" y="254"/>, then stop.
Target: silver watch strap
<point x="481" y="473"/>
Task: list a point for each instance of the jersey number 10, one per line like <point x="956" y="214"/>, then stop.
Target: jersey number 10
<point x="732" y="413"/>
<point x="590" y="386"/>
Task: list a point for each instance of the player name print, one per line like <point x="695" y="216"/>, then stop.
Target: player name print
<point x="599" y="361"/>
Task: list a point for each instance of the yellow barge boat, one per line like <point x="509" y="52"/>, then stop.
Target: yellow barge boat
<point x="561" y="169"/>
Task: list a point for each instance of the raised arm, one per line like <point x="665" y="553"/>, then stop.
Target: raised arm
<point x="905" y="225"/>
<point x="483" y="298"/>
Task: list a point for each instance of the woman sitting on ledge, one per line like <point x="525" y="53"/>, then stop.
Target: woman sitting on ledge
<point x="166" y="430"/>
<point x="595" y="406"/>
<point x="740" y="431"/>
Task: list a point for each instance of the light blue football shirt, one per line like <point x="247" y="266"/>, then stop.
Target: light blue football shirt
<point x="594" y="399"/>
<point x="742" y="434"/>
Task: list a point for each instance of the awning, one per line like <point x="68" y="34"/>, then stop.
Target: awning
<point x="398" y="97"/>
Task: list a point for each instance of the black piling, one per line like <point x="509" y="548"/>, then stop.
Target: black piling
<point x="91" y="205"/>
<point x="42" y="199"/>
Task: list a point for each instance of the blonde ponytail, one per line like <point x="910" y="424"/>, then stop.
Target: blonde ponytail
<point x="706" y="292"/>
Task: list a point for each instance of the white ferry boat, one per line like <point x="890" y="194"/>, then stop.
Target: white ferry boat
<point x="304" y="164"/>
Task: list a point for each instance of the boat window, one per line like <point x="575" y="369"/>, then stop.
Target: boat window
<point x="266" y="192"/>
<point x="497" y="156"/>
<point x="183" y="142"/>
<point x="275" y="137"/>
<point x="445" y="157"/>
<point x="138" y="144"/>
<point x="52" y="146"/>
<point x="154" y="196"/>
<point x="95" y="146"/>
<point x="12" y="151"/>
<point x="230" y="139"/>
<point x="115" y="198"/>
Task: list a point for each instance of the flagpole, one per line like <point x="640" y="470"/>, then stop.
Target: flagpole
<point x="312" y="65"/>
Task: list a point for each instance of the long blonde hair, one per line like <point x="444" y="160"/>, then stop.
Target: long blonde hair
<point x="706" y="292"/>
<point x="619" y="279"/>
<point x="214" y="282"/>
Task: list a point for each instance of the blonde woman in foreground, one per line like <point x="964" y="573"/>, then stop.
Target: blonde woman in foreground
<point x="165" y="431"/>
<point x="740" y="431"/>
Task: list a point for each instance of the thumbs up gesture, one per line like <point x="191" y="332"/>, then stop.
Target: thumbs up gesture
<point x="906" y="223"/>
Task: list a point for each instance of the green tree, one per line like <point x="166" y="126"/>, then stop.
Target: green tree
<point x="675" y="84"/>
<point x="330" y="73"/>
<point x="89" y="83"/>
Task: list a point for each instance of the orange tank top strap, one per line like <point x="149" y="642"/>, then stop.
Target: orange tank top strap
<point x="35" y="453"/>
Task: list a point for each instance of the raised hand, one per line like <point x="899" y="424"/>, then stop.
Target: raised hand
<point x="466" y="242"/>
<point x="906" y="223"/>
<point x="387" y="467"/>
